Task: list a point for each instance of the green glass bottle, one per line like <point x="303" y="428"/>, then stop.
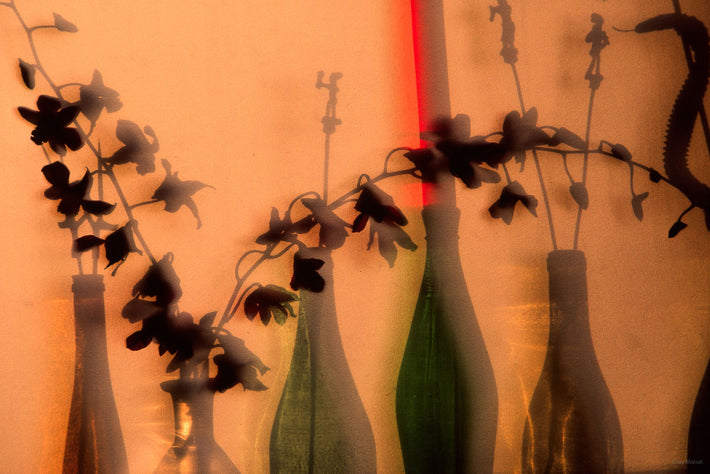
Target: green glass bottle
<point x="572" y="424"/>
<point x="446" y="399"/>
<point x="321" y="425"/>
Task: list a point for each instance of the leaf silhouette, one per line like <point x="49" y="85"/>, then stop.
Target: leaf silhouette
<point x="86" y="242"/>
<point x="620" y="152"/>
<point x="207" y="320"/>
<point x="138" y="340"/>
<point x="119" y="244"/>
<point x="676" y="228"/>
<point x="563" y="135"/>
<point x="28" y="71"/>
<point x="580" y="194"/>
<point x="176" y="193"/>
<point x="97" y="208"/>
<point x="654" y="175"/>
<point x="636" y="204"/>
<point x="62" y="24"/>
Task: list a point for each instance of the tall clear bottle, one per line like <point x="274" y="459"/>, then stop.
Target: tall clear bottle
<point x="446" y="402"/>
<point x="572" y="424"/>
<point x="94" y="441"/>
<point x="321" y="425"/>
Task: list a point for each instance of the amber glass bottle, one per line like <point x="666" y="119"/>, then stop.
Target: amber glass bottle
<point x="572" y="424"/>
<point x="94" y="441"/>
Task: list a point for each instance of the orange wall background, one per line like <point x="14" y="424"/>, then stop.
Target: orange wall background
<point x="229" y="89"/>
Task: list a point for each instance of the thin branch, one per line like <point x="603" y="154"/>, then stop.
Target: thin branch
<point x="85" y="137"/>
<point x="541" y="180"/>
<point x="587" y="133"/>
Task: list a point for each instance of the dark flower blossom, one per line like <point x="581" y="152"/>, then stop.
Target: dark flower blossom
<point x="269" y="301"/>
<point x="463" y="166"/>
<point x="374" y="202"/>
<point x="283" y="230"/>
<point x="51" y="124"/>
<point x="177" y="193"/>
<point x="513" y="193"/>
<point x="117" y="245"/>
<point x="520" y="133"/>
<point x="93" y="98"/>
<point x="305" y="273"/>
<point x="71" y="196"/>
<point x="237" y="365"/>
<point x="388" y="233"/>
<point x="137" y="149"/>
<point x="160" y="282"/>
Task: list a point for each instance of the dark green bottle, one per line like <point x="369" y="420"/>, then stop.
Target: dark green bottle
<point x="699" y="432"/>
<point x="446" y="400"/>
<point x="321" y="425"/>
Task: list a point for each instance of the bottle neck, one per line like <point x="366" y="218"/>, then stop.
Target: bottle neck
<point x="569" y="310"/>
<point x="193" y="409"/>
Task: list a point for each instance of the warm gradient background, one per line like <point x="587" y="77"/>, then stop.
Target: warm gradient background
<point x="229" y="89"/>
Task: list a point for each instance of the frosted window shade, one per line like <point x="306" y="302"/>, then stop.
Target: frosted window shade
<point x="226" y="93"/>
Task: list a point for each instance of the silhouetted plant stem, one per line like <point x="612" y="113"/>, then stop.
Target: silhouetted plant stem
<point x="518" y="86"/>
<point x="85" y="137"/>
<point x="540" y="178"/>
<point x="326" y="162"/>
<point x="269" y="253"/>
<point x="585" y="163"/>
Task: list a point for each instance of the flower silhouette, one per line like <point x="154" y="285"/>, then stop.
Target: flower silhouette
<point x="71" y="196"/>
<point x="332" y="232"/>
<point x="374" y="202"/>
<point x="283" y="230"/>
<point x="520" y="133"/>
<point x="269" y="301"/>
<point x="305" y="273"/>
<point x="51" y="122"/>
<point x="238" y="365"/>
<point x="137" y="149"/>
<point x="177" y="193"/>
<point x="94" y="97"/>
<point x="513" y="193"/>
<point x="389" y="234"/>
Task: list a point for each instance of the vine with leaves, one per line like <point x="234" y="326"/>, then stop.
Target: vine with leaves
<point x="65" y="121"/>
